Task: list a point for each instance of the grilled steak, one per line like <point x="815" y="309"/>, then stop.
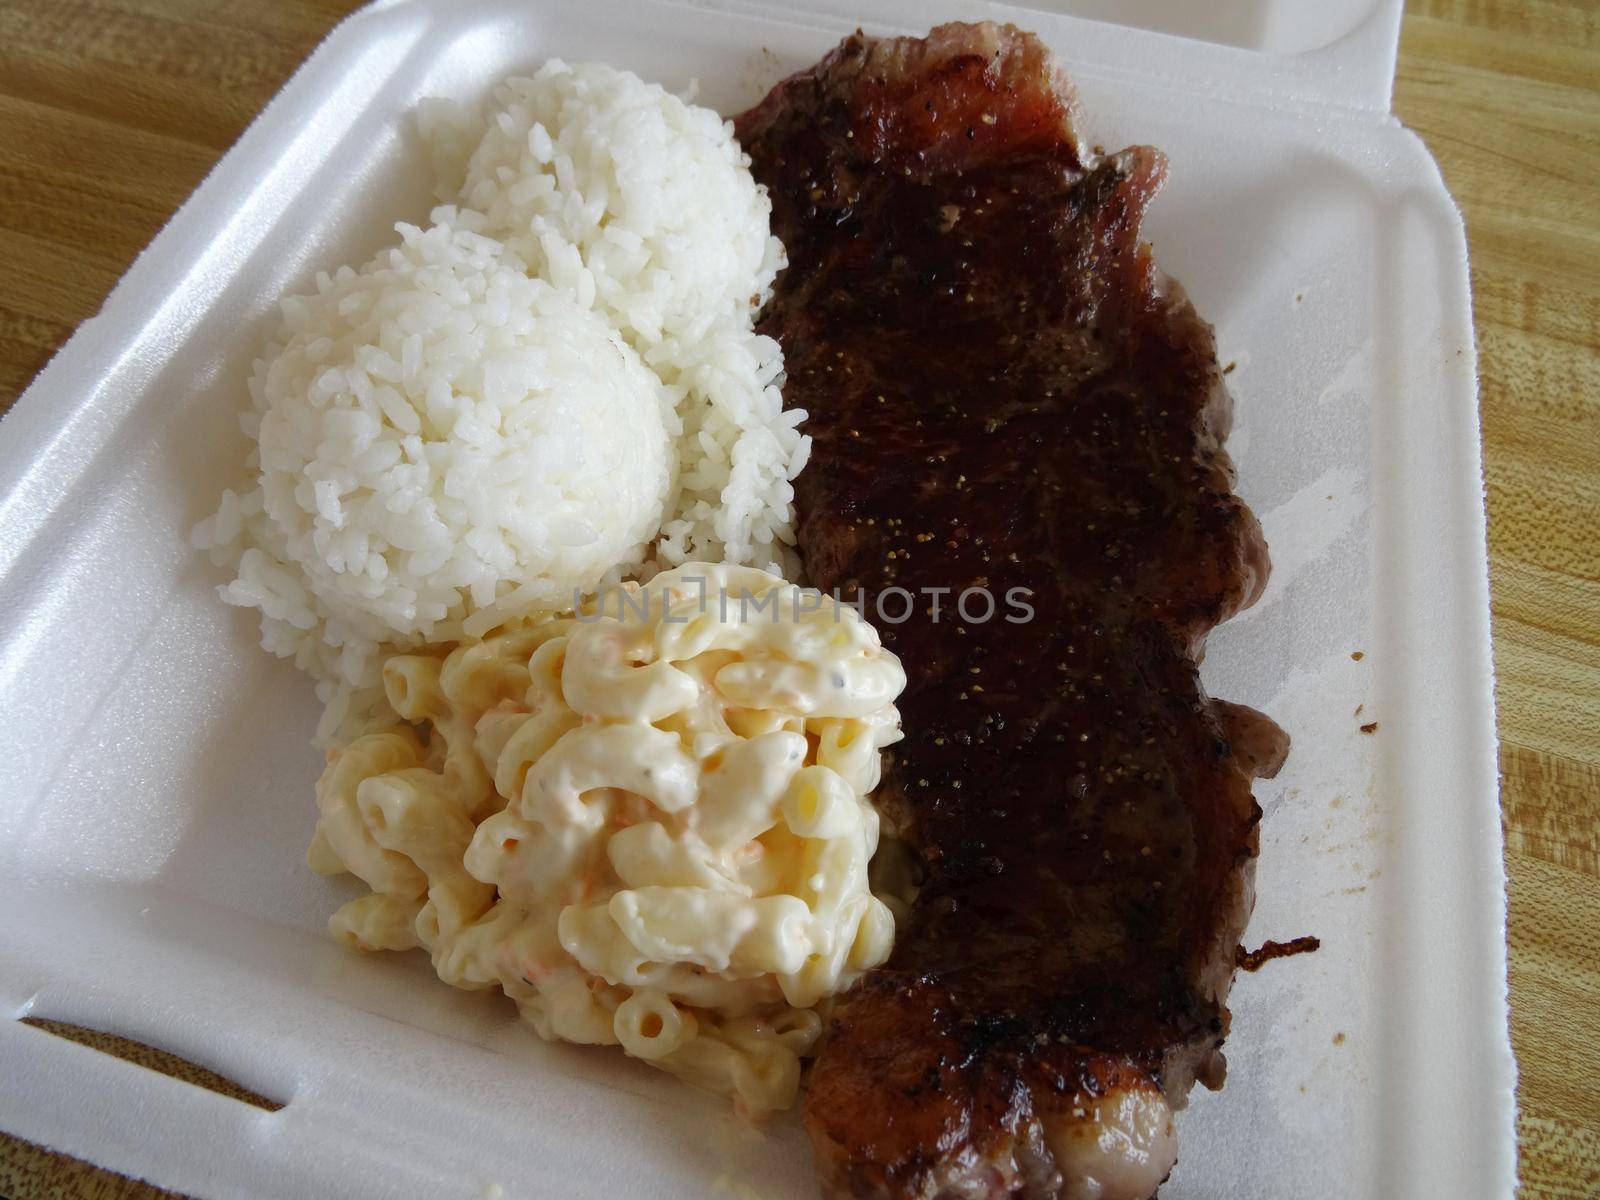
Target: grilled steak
<point x="1005" y="394"/>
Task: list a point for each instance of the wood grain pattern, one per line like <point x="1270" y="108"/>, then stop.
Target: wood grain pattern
<point x="1508" y="98"/>
<point x="111" y="111"/>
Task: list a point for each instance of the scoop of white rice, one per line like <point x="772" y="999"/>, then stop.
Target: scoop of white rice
<point x="626" y="194"/>
<point x="442" y="441"/>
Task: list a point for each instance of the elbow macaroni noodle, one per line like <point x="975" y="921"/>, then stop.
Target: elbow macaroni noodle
<point x="649" y="827"/>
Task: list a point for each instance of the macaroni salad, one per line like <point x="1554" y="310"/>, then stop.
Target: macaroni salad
<point x="647" y="822"/>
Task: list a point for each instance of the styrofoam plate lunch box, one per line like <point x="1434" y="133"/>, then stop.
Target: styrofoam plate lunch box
<point x="158" y="797"/>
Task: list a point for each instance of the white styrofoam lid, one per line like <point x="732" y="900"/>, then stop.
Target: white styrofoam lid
<point x="1281" y="52"/>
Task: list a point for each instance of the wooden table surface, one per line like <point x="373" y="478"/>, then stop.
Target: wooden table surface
<point x="111" y="111"/>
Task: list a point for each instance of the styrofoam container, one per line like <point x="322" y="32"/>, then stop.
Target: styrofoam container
<point x="159" y="790"/>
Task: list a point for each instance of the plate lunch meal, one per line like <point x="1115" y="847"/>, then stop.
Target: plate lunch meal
<point x="881" y="592"/>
